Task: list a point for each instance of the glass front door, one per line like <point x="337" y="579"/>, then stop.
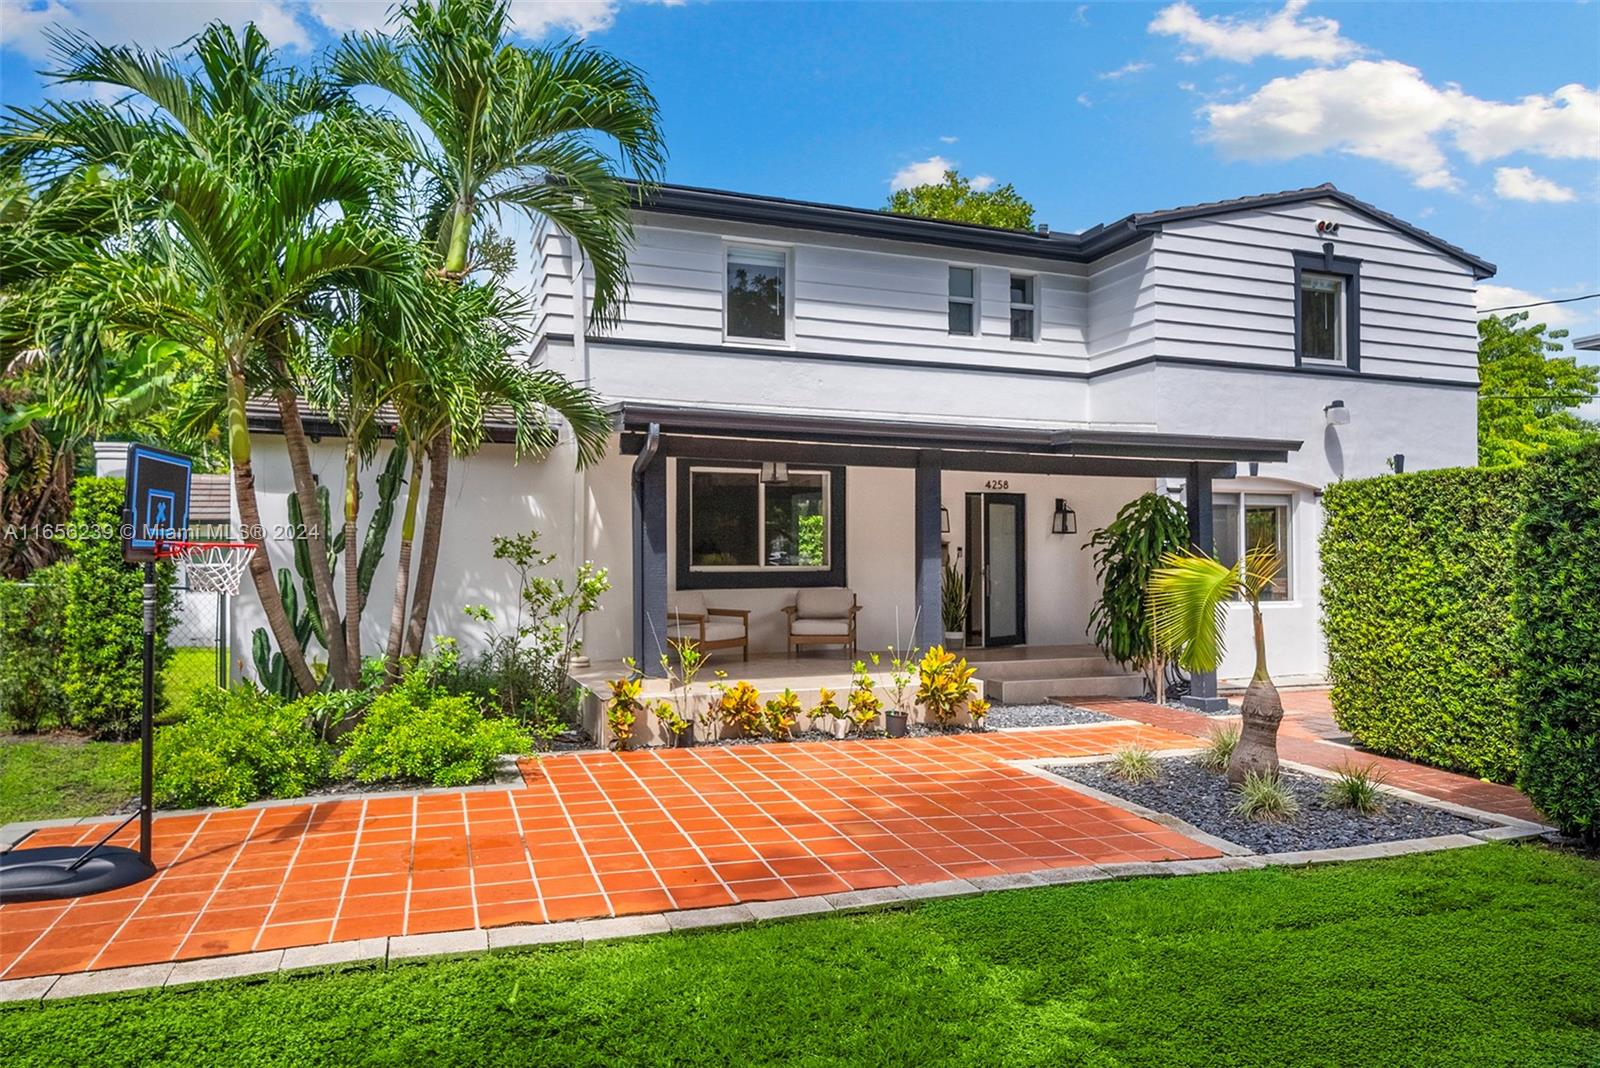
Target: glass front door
<point x="997" y="568"/>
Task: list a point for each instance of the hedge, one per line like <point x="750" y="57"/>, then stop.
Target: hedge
<point x="1556" y="602"/>
<point x="1417" y="611"/>
<point x="32" y="626"/>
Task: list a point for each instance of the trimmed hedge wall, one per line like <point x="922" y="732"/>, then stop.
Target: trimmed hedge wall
<point x="1556" y="602"/>
<point x="1417" y="611"/>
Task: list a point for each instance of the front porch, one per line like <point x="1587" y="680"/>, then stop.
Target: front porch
<point x="887" y="504"/>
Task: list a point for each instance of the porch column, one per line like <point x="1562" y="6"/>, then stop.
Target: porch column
<point x="929" y="627"/>
<point x="1202" y="538"/>
<point x="650" y="557"/>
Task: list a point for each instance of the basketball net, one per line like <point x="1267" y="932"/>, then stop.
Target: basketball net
<point x="209" y="566"/>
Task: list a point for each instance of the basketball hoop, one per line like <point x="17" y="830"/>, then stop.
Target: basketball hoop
<point x="209" y="566"/>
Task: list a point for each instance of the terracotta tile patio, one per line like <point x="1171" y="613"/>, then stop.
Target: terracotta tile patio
<point x="595" y="834"/>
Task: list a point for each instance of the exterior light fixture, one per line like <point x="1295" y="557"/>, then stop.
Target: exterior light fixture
<point x="1336" y="413"/>
<point x="944" y="521"/>
<point x="1398" y="462"/>
<point x="1065" y="520"/>
<point x="774" y="472"/>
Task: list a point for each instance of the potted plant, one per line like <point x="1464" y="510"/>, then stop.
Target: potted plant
<point x="944" y="685"/>
<point x="738" y="706"/>
<point x="978" y="709"/>
<point x="828" y="709"/>
<point x="902" y="670"/>
<point x="623" y="707"/>
<point x="953" y="604"/>
<point x="677" y="715"/>
<point x="783" y="711"/>
<point x="864" y="704"/>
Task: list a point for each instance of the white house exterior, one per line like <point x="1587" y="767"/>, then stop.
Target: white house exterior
<point x="903" y="369"/>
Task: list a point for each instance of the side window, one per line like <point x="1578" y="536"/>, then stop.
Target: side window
<point x="757" y="293"/>
<point x="963" y="301"/>
<point x="1327" y="311"/>
<point x="1024" y="307"/>
<point x="1241" y="523"/>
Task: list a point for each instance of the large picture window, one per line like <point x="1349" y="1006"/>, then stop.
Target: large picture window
<point x="757" y="297"/>
<point x="1250" y="520"/>
<point x="745" y="525"/>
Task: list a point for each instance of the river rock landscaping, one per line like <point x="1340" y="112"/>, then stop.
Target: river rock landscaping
<point x="1203" y="798"/>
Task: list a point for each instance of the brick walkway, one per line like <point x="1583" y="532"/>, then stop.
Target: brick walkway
<point x="595" y="834"/>
<point x="1306" y="736"/>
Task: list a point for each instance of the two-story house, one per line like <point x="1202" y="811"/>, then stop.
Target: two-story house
<point x="814" y="396"/>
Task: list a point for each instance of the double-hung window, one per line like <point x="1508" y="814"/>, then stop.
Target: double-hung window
<point x="1024" y="307"/>
<point x="738" y="522"/>
<point x="1327" y="311"/>
<point x="963" y="301"/>
<point x="1241" y="522"/>
<point x="758" y="293"/>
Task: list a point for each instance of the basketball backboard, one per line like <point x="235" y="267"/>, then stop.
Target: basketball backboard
<point x="156" y="505"/>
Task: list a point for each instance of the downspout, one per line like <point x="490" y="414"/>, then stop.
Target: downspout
<point x="647" y="455"/>
<point x="580" y="484"/>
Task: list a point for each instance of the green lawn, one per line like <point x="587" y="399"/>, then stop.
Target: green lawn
<point x="51" y="776"/>
<point x="1479" y="956"/>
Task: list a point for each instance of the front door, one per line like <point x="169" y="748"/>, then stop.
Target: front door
<point x="997" y="568"/>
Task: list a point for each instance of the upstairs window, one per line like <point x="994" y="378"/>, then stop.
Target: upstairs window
<point x="963" y="301"/>
<point x="1024" y="311"/>
<point x="1322" y="318"/>
<point x="758" y="297"/>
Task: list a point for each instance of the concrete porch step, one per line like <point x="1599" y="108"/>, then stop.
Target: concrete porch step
<point x="1028" y="691"/>
<point x="1064" y="666"/>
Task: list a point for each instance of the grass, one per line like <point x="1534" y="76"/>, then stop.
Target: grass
<point x="1489" y="955"/>
<point x="49" y="776"/>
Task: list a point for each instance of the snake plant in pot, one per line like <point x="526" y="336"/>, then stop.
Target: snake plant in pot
<point x="953" y="604"/>
<point x="1189" y="595"/>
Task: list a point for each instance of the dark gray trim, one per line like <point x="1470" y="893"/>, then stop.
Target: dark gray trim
<point x="765" y="425"/>
<point x="1091" y="244"/>
<point x="1325" y="262"/>
<point x="1020" y="502"/>
<point x="1202" y="538"/>
<point x="992" y="369"/>
<point x="650" y="559"/>
<point x="756" y="578"/>
<point x="928" y="628"/>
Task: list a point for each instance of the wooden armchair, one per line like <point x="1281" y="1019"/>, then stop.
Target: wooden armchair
<point x="823" y="617"/>
<point x="691" y="619"/>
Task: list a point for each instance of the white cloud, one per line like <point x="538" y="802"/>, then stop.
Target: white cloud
<point x="1083" y="98"/>
<point x="1520" y="183"/>
<point x="1131" y="67"/>
<point x="1385" y="110"/>
<point x="1282" y="35"/>
<point x="929" y="171"/>
<point x="533" y="18"/>
<point x="1081" y="15"/>
<point x="983" y="183"/>
<point x="1490" y="295"/>
<point x="949" y="139"/>
<point x="154" y="25"/>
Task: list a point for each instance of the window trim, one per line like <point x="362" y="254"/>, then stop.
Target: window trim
<point x="1349" y="270"/>
<point x="1034" y="307"/>
<point x="760" y="576"/>
<point x="971" y="302"/>
<point x="755" y="244"/>
<point x="1243" y="500"/>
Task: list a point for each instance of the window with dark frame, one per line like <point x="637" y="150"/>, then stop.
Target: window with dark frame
<point x="1322" y="317"/>
<point x="738" y="522"/>
<point x="757" y="293"/>
<point x="963" y="301"/>
<point x="1251" y="520"/>
<point x="1024" y="307"/>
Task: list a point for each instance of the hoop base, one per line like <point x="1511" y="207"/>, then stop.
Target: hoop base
<point x="45" y="873"/>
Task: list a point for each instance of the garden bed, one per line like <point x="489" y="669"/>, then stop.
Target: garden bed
<point x="1203" y="798"/>
<point x="1047" y="714"/>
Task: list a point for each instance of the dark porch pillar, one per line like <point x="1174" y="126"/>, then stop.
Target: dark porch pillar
<point x="1202" y="538"/>
<point x="650" y="557"/>
<point x="929" y="627"/>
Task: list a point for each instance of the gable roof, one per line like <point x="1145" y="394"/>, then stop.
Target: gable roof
<point x="1084" y="247"/>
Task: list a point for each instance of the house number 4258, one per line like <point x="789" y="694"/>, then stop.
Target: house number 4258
<point x="997" y="484"/>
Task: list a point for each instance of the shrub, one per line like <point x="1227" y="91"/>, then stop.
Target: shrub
<point x="420" y="732"/>
<point x="944" y="684"/>
<point x="1416" y="597"/>
<point x="103" y="635"/>
<point x="782" y="712"/>
<point x="1126" y="552"/>
<point x="235" y="747"/>
<point x="1219" y="750"/>
<point x="739" y="706"/>
<point x="623" y="708"/>
<point x="863" y="704"/>
<point x="1265" y="798"/>
<point x="828" y="710"/>
<point x="1556" y="602"/>
<point x="978" y="709"/>
<point x="1135" y="764"/>
<point x="1357" y="788"/>
<point x="31" y="635"/>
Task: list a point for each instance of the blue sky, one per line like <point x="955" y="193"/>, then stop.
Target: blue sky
<point x="1480" y="121"/>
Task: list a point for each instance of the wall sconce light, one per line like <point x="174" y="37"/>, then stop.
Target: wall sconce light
<point x="774" y="472"/>
<point x="944" y="521"/>
<point x="1065" y="520"/>
<point x="1336" y="413"/>
<point x="1398" y="463"/>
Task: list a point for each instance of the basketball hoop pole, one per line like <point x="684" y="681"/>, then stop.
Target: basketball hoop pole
<point x="148" y="715"/>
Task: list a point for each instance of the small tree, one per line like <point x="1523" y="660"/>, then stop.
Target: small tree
<point x="954" y="200"/>
<point x="1127" y="552"/>
<point x="1188" y="597"/>
<point x="1528" y="395"/>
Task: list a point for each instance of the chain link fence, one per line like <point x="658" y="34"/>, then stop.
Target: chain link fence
<point x="197" y="643"/>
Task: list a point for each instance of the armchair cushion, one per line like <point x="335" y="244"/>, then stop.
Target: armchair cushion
<point x="716" y="631"/>
<point x="833" y="604"/>
<point x="689" y="602"/>
<point x="840" y="627"/>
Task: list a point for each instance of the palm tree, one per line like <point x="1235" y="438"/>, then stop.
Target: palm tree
<point x="1188" y="595"/>
<point x="508" y="128"/>
<point x="248" y="200"/>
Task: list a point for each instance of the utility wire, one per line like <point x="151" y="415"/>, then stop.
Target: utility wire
<point x="1540" y="303"/>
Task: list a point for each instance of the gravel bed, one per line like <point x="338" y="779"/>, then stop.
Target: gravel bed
<point x="1201" y="797"/>
<point x="1043" y="715"/>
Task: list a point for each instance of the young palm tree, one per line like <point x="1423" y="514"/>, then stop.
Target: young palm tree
<point x="246" y="205"/>
<point x="1188" y="596"/>
<point x="508" y="128"/>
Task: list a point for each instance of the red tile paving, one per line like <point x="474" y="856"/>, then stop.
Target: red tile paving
<point x="595" y="834"/>
<point x="1306" y="736"/>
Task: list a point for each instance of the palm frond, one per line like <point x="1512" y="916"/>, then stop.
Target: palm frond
<point x="1187" y="599"/>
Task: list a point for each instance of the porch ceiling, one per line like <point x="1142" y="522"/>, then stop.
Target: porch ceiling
<point x="847" y="438"/>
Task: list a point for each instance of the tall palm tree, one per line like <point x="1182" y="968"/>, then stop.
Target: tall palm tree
<point x="1189" y="595"/>
<point x="508" y="128"/>
<point x="247" y="201"/>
